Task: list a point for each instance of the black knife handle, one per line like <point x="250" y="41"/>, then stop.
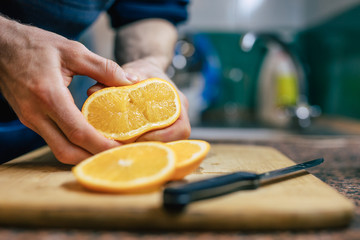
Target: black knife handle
<point x="179" y="196"/>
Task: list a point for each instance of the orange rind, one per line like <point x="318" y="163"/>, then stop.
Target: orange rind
<point x="189" y="155"/>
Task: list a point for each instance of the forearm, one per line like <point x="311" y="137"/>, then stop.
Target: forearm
<point x="8" y="27"/>
<point x="11" y="37"/>
<point x="151" y="39"/>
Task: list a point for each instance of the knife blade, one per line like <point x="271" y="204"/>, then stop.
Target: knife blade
<point x="179" y="195"/>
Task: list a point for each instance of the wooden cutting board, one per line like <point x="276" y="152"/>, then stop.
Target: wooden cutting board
<point x="36" y="190"/>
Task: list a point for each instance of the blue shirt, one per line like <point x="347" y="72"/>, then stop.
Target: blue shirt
<point x="71" y="17"/>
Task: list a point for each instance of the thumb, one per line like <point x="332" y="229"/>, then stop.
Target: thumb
<point x="100" y="69"/>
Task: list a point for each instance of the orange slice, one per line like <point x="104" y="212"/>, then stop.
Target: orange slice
<point x="128" y="168"/>
<point x="189" y="155"/>
<point x="126" y="112"/>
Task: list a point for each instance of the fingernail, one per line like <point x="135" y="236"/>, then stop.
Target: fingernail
<point x="131" y="77"/>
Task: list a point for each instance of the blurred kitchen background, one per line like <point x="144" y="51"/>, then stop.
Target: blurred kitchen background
<point x="261" y="64"/>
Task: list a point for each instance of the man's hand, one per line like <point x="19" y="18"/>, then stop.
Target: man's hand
<point x="36" y="67"/>
<point x="147" y="68"/>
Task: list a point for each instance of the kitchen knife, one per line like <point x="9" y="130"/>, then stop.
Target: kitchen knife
<point x="179" y="195"/>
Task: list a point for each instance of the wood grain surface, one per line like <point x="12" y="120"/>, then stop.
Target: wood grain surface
<point x="38" y="191"/>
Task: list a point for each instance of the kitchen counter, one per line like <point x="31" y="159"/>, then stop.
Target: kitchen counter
<point x="341" y="170"/>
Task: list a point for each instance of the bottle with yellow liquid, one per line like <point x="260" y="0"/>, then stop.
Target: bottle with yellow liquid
<point x="278" y="89"/>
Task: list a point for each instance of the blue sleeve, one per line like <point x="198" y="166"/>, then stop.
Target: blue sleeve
<point x="126" y="11"/>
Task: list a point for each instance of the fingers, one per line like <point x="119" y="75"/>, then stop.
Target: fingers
<point x="64" y="151"/>
<point x="81" y="61"/>
<point x="94" y="88"/>
<point x="178" y="130"/>
<point x="57" y="119"/>
<point x="75" y="127"/>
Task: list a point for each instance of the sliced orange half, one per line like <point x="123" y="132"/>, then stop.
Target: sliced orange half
<point x="129" y="168"/>
<point x="189" y="155"/>
<point x="126" y="112"/>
